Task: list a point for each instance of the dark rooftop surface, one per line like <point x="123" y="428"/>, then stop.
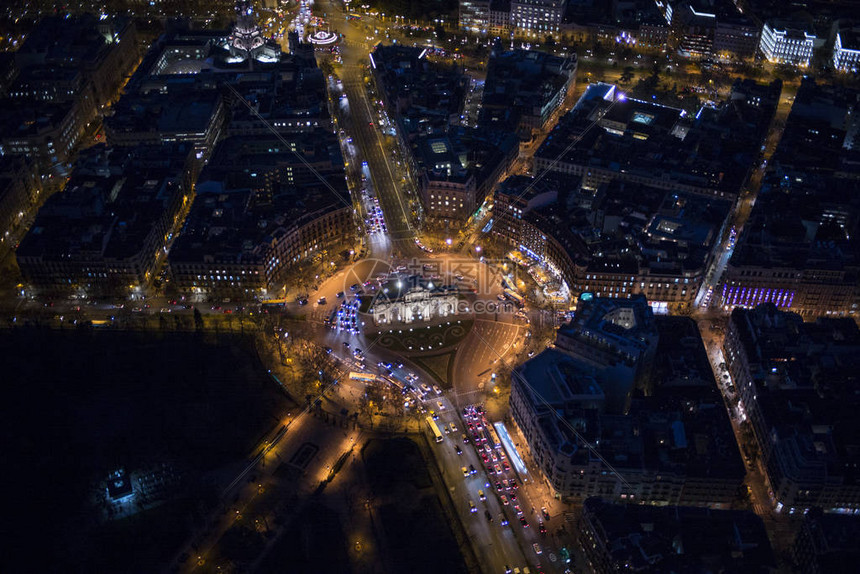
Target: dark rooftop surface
<point x="76" y="41"/>
<point x="625" y="227"/>
<point x="185" y="114"/>
<point x="22" y="119"/>
<point x="424" y="95"/>
<point x="107" y="212"/>
<point x="833" y="539"/>
<point x="653" y="540"/>
<point x="677" y="424"/>
<point x="806" y="377"/>
<point x="256" y="188"/>
<point x="520" y="82"/>
<point x="710" y="153"/>
<point x="808" y="210"/>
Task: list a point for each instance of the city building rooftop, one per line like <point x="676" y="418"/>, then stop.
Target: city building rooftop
<point x="638" y="390"/>
<point x="685" y="422"/>
<point x="804" y="375"/>
<point x="850" y="38"/>
<point x="462" y="153"/>
<point x="804" y="225"/>
<point x="159" y="116"/>
<point x="224" y="227"/>
<point x="80" y="41"/>
<point x="27" y="119"/>
<point x="109" y="208"/>
<point x="256" y="190"/>
<point x="557" y="379"/>
<point x="827" y="543"/>
<point x="423" y="96"/>
<point x="624" y="227"/>
<point x="651" y="539"/>
<point x="623" y="330"/>
<point x="522" y="84"/>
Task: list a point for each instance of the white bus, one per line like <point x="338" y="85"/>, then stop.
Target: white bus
<point x="435" y="429"/>
<point x="366" y="377"/>
<point x="515" y="297"/>
<point x="493" y="438"/>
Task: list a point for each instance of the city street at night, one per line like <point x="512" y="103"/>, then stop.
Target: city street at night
<point x="468" y="286"/>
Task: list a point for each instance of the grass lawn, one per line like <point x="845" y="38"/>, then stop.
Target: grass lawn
<point x="409" y="512"/>
<point x="437" y="365"/>
<point x="384" y="473"/>
<point x="416" y="340"/>
<point x="314" y="542"/>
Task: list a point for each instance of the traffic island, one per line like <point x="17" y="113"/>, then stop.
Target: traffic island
<point x="438" y="366"/>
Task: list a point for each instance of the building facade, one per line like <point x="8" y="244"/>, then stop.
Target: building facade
<point x="846" y="50"/>
<point x="474" y="16"/>
<point x="787" y="44"/>
<point x="19" y="189"/>
<point x="537" y="17"/>
<point x="735" y="38"/>
<point x="694" y="29"/>
<point x="500" y="18"/>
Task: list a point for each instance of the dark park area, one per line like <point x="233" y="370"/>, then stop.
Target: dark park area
<point x="171" y="411"/>
<point x="409" y="517"/>
<point x="314" y="542"/>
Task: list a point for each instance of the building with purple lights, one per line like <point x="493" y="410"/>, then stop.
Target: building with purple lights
<point x="800" y="248"/>
<point x="642" y="192"/>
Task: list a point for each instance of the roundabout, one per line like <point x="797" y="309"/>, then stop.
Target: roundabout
<point x="322" y="38"/>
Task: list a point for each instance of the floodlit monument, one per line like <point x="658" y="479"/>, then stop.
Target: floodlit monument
<point x="412" y="299"/>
